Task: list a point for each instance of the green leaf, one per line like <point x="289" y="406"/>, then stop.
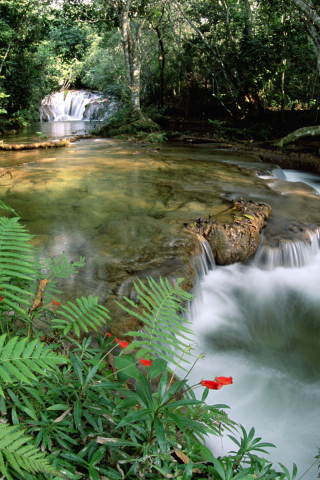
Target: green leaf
<point x="218" y="465"/>
<point x="77" y="413"/>
<point x="87" y="313"/>
<point x="20" y="360"/>
<point x="58" y="406"/>
<point x="127" y="365"/>
<point x="17" y="451"/>
<point x="94" y="475"/>
<point x="135" y="417"/>
<point x="158" y="366"/>
<point x="160" y="434"/>
<point x="187" y="475"/>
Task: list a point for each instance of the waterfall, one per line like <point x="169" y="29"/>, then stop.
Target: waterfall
<point x="260" y="323"/>
<point x="204" y="262"/>
<point x="289" y="253"/>
<point x="76" y="105"/>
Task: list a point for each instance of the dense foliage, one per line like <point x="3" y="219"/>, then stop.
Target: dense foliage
<point x="189" y="58"/>
<point x="71" y="408"/>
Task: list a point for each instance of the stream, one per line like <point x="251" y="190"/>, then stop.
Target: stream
<point x="122" y="206"/>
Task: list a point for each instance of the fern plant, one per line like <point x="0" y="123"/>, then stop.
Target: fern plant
<point x="57" y="268"/>
<point x="20" y="360"/>
<point x="87" y="313"/>
<point x="165" y="332"/>
<point x="18" y="453"/>
<point x="18" y="268"/>
<point x="4" y="205"/>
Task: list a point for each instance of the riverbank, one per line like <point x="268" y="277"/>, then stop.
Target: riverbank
<point x="303" y="156"/>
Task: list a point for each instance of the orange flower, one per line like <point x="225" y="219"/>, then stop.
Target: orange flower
<point x="146" y="363"/>
<point x="224" y="380"/>
<point x="56" y="303"/>
<point x="124" y="344"/>
<point x="211" y="384"/>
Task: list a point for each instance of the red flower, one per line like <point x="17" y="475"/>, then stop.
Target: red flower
<point x="146" y="363"/>
<point x="116" y="339"/>
<point x="108" y="334"/>
<point x="224" y="380"/>
<point x="124" y="344"/>
<point x="211" y="384"/>
<point x="1" y="298"/>
<point x="56" y="303"/>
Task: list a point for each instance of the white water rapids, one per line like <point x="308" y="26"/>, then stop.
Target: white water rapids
<point x="260" y="323"/>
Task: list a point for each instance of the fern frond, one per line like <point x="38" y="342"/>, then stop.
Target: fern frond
<point x="6" y="207"/>
<point x="60" y="268"/>
<point x="165" y="332"/>
<point x="87" y="313"/>
<point x="17" y="453"/>
<point x="20" y="360"/>
<point x="17" y="265"/>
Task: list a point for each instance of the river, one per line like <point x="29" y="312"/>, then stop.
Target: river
<point x="122" y="206"/>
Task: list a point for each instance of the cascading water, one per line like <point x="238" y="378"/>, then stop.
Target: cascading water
<point x="204" y="262"/>
<point x="289" y="253"/>
<point x="76" y="105"/>
<point x="260" y="323"/>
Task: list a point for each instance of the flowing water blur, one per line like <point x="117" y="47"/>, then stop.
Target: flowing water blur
<point x="260" y="323"/>
<point x="123" y="205"/>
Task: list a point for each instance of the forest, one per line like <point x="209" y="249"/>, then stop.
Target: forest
<point x="252" y="63"/>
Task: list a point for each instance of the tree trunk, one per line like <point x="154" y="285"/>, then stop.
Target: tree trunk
<point x="300" y="133"/>
<point x="131" y="57"/>
<point x="162" y="60"/>
<point x="283" y="73"/>
<point x="249" y="30"/>
<point x="311" y="17"/>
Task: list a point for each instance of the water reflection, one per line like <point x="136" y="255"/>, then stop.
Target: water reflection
<point x="52" y="130"/>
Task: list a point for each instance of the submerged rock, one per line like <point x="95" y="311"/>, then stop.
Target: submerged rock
<point x="238" y="240"/>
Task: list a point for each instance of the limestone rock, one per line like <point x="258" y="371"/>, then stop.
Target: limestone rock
<point x="238" y="240"/>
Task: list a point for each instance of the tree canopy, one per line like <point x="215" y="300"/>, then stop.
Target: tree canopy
<point x="194" y="58"/>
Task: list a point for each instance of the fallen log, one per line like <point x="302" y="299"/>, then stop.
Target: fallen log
<point x="32" y="146"/>
<point x="63" y="142"/>
<point x="297" y="134"/>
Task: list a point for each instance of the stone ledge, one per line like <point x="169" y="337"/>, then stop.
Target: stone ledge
<point x="235" y="241"/>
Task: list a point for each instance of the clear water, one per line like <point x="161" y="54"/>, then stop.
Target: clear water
<point x="122" y="206"/>
<point x="52" y="130"/>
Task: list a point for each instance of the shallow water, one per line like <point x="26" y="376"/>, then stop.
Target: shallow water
<point x="52" y="130"/>
<point x="123" y="205"/>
